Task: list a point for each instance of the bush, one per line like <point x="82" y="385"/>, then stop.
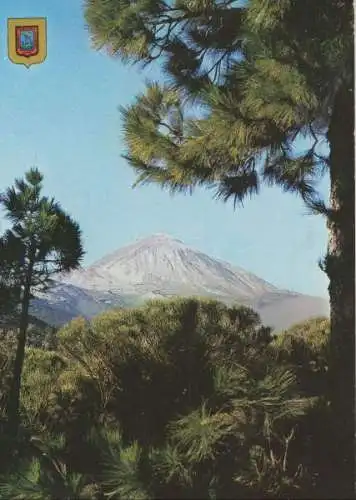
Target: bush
<point x="182" y="398"/>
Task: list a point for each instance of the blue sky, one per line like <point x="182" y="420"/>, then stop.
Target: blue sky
<point x="63" y="117"/>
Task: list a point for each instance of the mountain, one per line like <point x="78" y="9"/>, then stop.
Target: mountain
<point x="161" y="266"/>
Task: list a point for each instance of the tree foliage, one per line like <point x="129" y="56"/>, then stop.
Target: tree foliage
<point x="261" y="73"/>
<point x="41" y="233"/>
<point x="253" y="93"/>
<point x="182" y="398"/>
<point x="42" y="240"/>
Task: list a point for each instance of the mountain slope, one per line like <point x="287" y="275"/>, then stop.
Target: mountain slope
<point x="161" y="266"/>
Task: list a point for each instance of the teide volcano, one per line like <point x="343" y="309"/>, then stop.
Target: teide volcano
<point x="161" y="266"/>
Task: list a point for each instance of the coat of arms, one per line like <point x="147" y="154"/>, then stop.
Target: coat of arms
<point x="27" y="40"/>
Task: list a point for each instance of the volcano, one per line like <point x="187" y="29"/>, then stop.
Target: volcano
<point x="161" y="266"/>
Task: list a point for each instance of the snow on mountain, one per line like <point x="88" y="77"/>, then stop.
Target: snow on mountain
<point x="164" y="263"/>
<point x="161" y="266"/>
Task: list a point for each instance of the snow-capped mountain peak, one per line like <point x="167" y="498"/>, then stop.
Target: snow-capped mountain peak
<point x="159" y="262"/>
<point x="162" y="266"/>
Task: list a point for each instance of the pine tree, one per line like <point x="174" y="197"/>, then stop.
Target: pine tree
<point x="9" y="289"/>
<point x="244" y="81"/>
<point x="190" y="392"/>
<point x="43" y="240"/>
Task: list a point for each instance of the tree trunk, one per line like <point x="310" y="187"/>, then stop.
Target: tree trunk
<point x="340" y="267"/>
<point x="14" y="393"/>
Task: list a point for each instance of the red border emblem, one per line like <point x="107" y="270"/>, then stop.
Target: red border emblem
<point x="32" y="48"/>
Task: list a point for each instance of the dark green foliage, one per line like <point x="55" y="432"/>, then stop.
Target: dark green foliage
<point x="45" y="475"/>
<point x="42" y="240"/>
<point x="42" y="234"/>
<point x="10" y="289"/>
<point x="306" y="347"/>
<point x="182" y="398"/>
<point x="244" y="83"/>
<point x="265" y="72"/>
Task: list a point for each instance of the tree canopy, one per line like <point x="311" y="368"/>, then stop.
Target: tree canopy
<point x="181" y="398"/>
<point x="244" y="84"/>
<point x="260" y="75"/>
<point x="43" y="240"/>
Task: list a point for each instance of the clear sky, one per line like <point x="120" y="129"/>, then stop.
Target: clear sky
<point x="63" y="117"/>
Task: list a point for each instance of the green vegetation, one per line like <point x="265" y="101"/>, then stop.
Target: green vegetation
<point x="190" y="398"/>
<point x="182" y="398"/>
<point x="242" y="82"/>
<point x="42" y="240"/>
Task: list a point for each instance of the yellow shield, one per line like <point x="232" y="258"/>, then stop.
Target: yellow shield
<point x="27" y="40"/>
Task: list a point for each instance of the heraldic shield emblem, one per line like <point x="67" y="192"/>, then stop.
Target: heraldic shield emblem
<point x="27" y="40"/>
